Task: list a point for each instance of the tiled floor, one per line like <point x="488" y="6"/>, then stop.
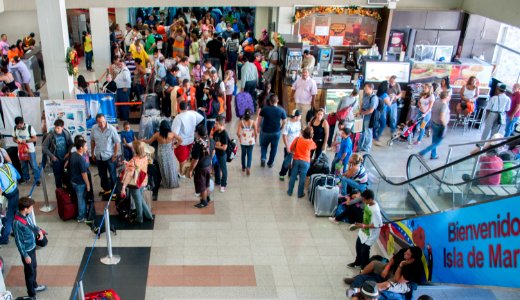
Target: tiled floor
<point x="253" y="242"/>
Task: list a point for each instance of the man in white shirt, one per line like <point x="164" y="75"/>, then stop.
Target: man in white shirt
<point x="123" y="82"/>
<point x="290" y="132"/>
<point x="304" y="92"/>
<point x="25" y="134"/>
<point x="496" y="107"/>
<point x="368" y="230"/>
<point x="184" y="70"/>
<point x="184" y="125"/>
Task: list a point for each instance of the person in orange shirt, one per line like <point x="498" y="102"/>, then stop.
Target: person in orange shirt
<point x="11" y="53"/>
<point x="301" y="149"/>
<point x="19" y="49"/>
<point x="188" y="94"/>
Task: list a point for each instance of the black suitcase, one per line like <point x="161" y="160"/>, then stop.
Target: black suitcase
<point x="154" y="179"/>
<point x="318" y="180"/>
<point x="13" y="154"/>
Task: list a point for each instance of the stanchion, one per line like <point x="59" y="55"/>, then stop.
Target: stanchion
<point x="110" y="259"/>
<point x="47" y="207"/>
<point x="81" y="293"/>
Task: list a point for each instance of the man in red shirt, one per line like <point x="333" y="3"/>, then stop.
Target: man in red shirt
<point x="514" y="113"/>
<point x="258" y="64"/>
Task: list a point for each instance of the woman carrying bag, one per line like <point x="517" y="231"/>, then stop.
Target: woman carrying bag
<point x="135" y="177"/>
<point x="301" y="149"/>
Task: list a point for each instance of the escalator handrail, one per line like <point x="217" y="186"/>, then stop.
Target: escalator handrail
<point x="479" y="142"/>
<point x="430" y="172"/>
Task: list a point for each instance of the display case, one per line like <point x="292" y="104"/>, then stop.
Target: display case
<point x="429" y="71"/>
<point x="332" y="98"/>
<point x="378" y="71"/>
<point x="468" y="67"/>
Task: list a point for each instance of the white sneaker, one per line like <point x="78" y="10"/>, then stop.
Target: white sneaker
<point x="197" y="195"/>
<point x="352" y="227"/>
<point x="222" y="189"/>
<point x="333" y="220"/>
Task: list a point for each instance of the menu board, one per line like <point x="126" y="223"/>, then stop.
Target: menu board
<point x="332" y="98"/>
<point x="336" y="30"/>
<point x="425" y="71"/>
<point x="378" y="71"/>
<point x="461" y="73"/>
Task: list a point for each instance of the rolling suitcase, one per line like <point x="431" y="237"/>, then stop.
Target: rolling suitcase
<point x="67" y="205"/>
<point x="318" y="180"/>
<point x="326" y="199"/>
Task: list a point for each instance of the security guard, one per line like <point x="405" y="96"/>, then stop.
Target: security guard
<point x="9" y="188"/>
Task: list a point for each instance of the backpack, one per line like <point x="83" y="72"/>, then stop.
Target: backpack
<point x="243" y="101"/>
<point x="29" y="130"/>
<point x="231" y="150"/>
<point x="232" y="46"/>
<point x="222" y="103"/>
<point x="213" y="106"/>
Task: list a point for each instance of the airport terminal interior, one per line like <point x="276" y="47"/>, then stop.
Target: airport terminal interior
<point x="360" y="149"/>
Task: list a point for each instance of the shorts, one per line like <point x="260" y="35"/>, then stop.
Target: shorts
<point x="182" y="152"/>
<point x="379" y="266"/>
<point x="201" y="178"/>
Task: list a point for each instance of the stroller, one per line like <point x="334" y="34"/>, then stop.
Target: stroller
<point x="405" y="132"/>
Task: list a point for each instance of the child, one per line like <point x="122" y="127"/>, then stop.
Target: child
<point x="221" y="142"/>
<point x="229" y="81"/>
<point x="127" y="137"/>
<point x="25" y="234"/>
<point x="340" y="162"/>
<point x="196" y="73"/>
<point x="264" y="64"/>
<point x="290" y="132"/>
<point x="336" y="141"/>
<point x="246" y="133"/>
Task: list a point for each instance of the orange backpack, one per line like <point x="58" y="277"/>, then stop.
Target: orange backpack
<point x="222" y="105"/>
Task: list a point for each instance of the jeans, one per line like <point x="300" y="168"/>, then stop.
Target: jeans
<point x="34" y="165"/>
<point x="140" y="207"/>
<point x="283" y="170"/>
<point x="269" y="138"/>
<point x="221" y="167"/>
<point x="30" y="273"/>
<point x="392" y="116"/>
<point x="365" y="141"/>
<point x="88" y="60"/>
<point x="81" y="193"/>
<point x="381" y="124"/>
<point x="232" y="61"/>
<point x="215" y="62"/>
<point x="12" y="208"/>
<point x="247" y="151"/>
<point x="57" y="169"/>
<point x="348" y="182"/>
<point x="510" y="125"/>
<point x="210" y="123"/>
<point x="250" y="87"/>
<point x="104" y="167"/>
<point x="124" y="110"/>
<point x="299" y="167"/>
<point x="362" y="254"/>
<point x="424" y="122"/>
<point x="437" y="132"/>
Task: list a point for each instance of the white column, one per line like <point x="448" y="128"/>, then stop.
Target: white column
<point x="284" y="22"/>
<point x="54" y="34"/>
<point x="261" y="20"/>
<point x="100" y="39"/>
<point x="122" y="17"/>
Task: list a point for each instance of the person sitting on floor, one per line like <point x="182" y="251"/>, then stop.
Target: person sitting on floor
<point x="356" y="176"/>
<point x="351" y="210"/>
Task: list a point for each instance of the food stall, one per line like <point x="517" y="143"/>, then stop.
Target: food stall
<point x="333" y="35"/>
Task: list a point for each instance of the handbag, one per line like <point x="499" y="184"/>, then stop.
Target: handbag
<point x="23" y="152"/>
<point x="287" y="161"/>
<point x="41" y="243"/>
<point x="137" y="178"/>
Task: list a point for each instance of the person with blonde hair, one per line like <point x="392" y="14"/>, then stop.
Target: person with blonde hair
<point x="425" y="105"/>
<point x="135" y="178"/>
<point x="356" y="176"/>
<point x="468" y="96"/>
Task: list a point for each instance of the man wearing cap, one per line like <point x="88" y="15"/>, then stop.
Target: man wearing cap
<point x="496" y="108"/>
<point x="308" y="61"/>
<point x="290" y="132"/>
<point x="9" y="188"/>
<point x="304" y="90"/>
<point x="368" y="291"/>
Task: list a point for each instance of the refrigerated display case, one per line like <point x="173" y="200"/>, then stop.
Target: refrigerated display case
<point x="332" y="98"/>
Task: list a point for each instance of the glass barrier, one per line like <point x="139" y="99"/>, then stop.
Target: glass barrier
<point x="479" y="176"/>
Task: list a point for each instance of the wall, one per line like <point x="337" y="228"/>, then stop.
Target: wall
<point x="505" y="11"/>
<point x="261" y="20"/>
<point x="11" y="24"/>
<point x="430" y="4"/>
<point x="284" y="21"/>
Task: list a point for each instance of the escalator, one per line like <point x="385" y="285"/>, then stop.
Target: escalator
<point x="473" y="178"/>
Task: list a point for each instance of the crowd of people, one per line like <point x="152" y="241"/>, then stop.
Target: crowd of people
<point x="14" y="73"/>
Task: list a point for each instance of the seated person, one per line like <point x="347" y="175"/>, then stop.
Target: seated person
<point x="404" y="267"/>
<point x="489" y="163"/>
<point x="351" y="210"/>
<point x="356" y="176"/>
<point x="368" y="292"/>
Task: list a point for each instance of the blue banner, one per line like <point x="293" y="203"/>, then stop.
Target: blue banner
<point x="99" y="103"/>
<point x="477" y="245"/>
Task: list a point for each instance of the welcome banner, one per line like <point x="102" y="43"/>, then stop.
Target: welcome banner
<point x="477" y="245"/>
